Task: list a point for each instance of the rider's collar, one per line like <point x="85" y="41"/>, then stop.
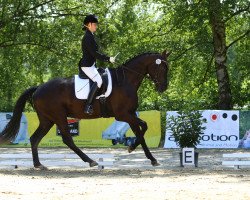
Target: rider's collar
<point x="89" y="31"/>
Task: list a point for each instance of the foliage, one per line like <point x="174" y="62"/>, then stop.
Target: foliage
<point x="186" y="128"/>
<point x="41" y="39"/>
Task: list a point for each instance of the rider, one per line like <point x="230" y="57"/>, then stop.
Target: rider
<point x="88" y="60"/>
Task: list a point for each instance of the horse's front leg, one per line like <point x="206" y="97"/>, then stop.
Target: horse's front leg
<point x="143" y="127"/>
<point x="134" y="123"/>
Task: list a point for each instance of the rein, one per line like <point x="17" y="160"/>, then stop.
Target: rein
<point x="124" y="66"/>
<point x="155" y="79"/>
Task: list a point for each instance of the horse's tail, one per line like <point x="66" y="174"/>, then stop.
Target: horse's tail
<point x="11" y="130"/>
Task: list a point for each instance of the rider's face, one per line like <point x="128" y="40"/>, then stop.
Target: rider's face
<point x="92" y="27"/>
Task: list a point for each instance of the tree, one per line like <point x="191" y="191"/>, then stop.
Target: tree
<point x="220" y="53"/>
<point x="40" y="40"/>
<point x="202" y="29"/>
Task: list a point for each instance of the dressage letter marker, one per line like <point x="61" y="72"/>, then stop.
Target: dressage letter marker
<point x="188" y="156"/>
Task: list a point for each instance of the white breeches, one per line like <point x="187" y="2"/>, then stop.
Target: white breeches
<point x="93" y="74"/>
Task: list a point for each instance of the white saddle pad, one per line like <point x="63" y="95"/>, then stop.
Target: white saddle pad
<point x="82" y="87"/>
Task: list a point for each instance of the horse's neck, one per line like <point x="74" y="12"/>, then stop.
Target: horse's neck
<point x="134" y="74"/>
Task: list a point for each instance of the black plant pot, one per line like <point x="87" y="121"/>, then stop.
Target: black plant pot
<point x="196" y="155"/>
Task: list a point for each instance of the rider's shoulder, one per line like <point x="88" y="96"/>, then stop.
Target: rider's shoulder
<point x="88" y="37"/>
<point x="88" y="34"/>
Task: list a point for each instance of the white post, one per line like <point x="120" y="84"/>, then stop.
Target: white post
<point x="99" y="165"/>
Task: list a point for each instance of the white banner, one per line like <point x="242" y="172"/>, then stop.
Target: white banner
<point x="22" y="136"/>
<point x="222" y="130"/>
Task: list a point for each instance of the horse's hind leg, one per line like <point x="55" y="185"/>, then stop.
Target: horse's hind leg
<point x="43" y="128"/>
<point x="67" y="139"/>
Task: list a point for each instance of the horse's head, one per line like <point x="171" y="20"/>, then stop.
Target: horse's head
<point x="158" y="70"/>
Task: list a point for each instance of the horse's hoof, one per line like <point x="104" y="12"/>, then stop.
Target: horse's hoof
<point x="130" y="149"/>
<point x="93" y="163"/>
<point x="41" y="167"/>
<point x="155" y="163"/>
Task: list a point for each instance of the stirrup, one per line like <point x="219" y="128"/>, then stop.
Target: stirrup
<point x="88" y="110"/>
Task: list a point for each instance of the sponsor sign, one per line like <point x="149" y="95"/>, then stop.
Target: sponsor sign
<point x="22" y="136"/>
<point x="244" y="129"/>
<point x="73" y="125"/>
<point x="222" y="130"/>
<point x="88" y="133"/>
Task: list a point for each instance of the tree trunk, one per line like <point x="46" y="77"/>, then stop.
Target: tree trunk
<point x="220" y="54"/>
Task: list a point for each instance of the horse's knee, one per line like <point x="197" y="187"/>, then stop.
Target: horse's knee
<point x="34" y="141"/>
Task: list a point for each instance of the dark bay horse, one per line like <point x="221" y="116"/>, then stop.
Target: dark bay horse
<point x="55" y="100"/>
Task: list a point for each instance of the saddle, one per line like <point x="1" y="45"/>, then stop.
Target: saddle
<point x="105" y="80"/>
<point x="83" y="84"/>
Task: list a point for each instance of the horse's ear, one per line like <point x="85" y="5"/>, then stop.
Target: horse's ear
<point x="166" y="53"/>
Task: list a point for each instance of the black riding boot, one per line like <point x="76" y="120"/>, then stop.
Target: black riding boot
<point x="88" y="108"/>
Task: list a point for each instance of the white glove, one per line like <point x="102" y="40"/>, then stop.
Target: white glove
<point x="112" y="59"/>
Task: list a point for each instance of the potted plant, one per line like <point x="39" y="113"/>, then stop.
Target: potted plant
<point x="187" y="127"/>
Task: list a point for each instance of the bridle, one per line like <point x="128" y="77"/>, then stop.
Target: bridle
<point x="158" y="62"/>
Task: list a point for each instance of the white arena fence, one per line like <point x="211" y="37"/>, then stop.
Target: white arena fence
<point x="55" y="160"/>
<point x="236" y="160"/>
